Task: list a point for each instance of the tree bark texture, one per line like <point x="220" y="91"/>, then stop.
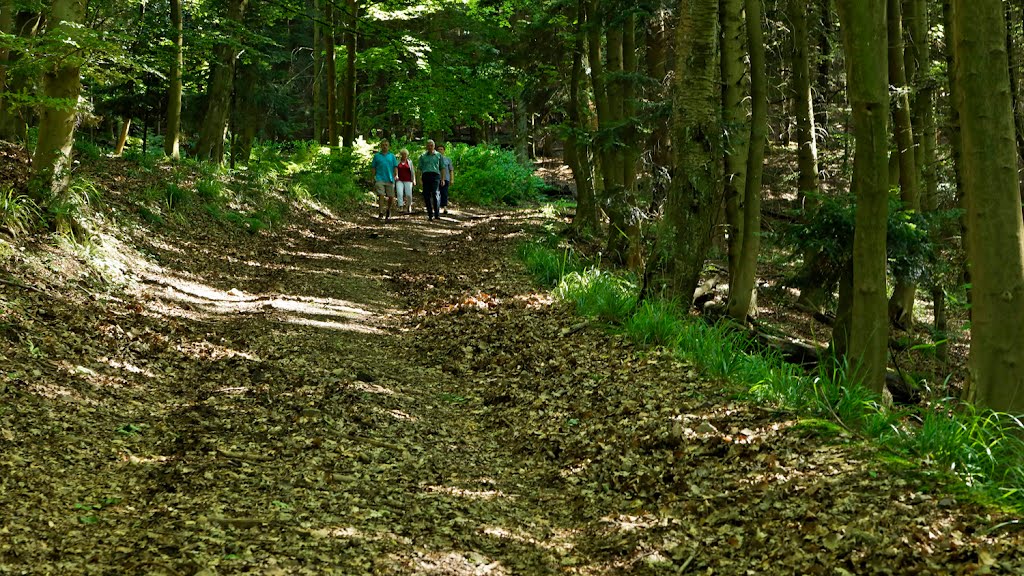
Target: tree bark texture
<point x="210" y="146"/>
<point x="901" y="304"/>
<point x="734" y="117"/>
<point x="332" y="77"/>
<point x="51" y="162"/>
<point x="348" y="90"/>
<point x="864" y="35"/>
<point x="171" y="138"/>
<point x="14" y="120"/>
<point x="577" y="147"/>
<point x="695" y="195"/>
<point x="996" y="246"/>
<point x="741" y="287"/>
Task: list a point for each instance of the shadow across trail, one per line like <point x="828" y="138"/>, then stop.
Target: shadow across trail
<point x="355" y="396"/>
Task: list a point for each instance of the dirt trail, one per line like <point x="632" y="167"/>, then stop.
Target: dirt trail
<point x="360" y="397"/>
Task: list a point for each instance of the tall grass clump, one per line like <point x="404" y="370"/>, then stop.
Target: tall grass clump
<point x="18" y="213"/>
<point x="547" y="264"/>
<point x="655" y="323"/>
<point x="489" y="175"/>
<point x="599" y="294"/>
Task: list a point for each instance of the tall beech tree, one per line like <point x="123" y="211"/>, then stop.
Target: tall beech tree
<point x="172" y="137"/>
<point x="695" y="195"/>
<point x="61" y="84"/>
<point x="734" y="117"/>
<point x="742" y="282"/>
<point x="901" y="304"/>
<point x="863" y="25"/>
<point x="221" y="83"/>
<point x="994" y="224"/>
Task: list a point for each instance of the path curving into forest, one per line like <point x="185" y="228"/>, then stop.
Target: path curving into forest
<point x="349" y="396"/>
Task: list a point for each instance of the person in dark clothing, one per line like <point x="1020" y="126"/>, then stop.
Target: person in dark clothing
<point x="429" y="165"/>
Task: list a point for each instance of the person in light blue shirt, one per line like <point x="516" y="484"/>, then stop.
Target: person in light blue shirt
<point x="385" y="172"/>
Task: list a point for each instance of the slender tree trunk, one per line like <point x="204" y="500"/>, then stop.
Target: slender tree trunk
<point x="863" y="24"/>
<point x="901" y="304"/>
<point x="332" y="81"/>
<point x="171" y="139"/>
<point x="996" y="246"/>
<point x="6" y="27"/>
<point x="955" y="140"/>
<point x="1011" y="51"/>
<point x="741" y="288"/>
<point x="734" y="116"/>
<point x="122" y="136"/>
<point x="577" y="149"/>
<point x="631" y="139"/>
<point x="349" y="88"/>
<point x="13" y="119"/>
<point x="51" y="163"/>
<point x="695" y="195"/>
<point x="812" y="288"/>
<point x="248" y="116"/>
<point x="823" y="74"/>
<point x="318" y="66"/>
<point x="210" y="146"/>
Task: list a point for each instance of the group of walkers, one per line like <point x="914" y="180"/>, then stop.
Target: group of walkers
<point x="394" y="179"/>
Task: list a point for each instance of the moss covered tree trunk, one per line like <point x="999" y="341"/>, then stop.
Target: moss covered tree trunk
<point x="210" y="146"/>
<point x="734" y="117"/>
<point x="171" y="138"/>
<point x="577" y="147"/>
<point x="695" y="195"/>
<point x="996" y="244"/>
<point x="332" y="79"/>
<point x="741" y="286"/>
<point x="901" y="304"/>
<point x="864" y="32"/>
<point x="348" y="91"/>
<point x="51" y="162"/>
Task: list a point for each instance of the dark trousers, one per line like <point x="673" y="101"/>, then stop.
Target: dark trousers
<point x="443" y="188"/>
<point x="431" y="193"/>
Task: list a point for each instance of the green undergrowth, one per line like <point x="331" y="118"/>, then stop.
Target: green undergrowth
<point x="982" y="448"/>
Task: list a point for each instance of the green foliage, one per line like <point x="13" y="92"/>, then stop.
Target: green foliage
<point x="175" y="196"/>
<point x="18" y="213"/>
<point x="210" y="189"/>
<point x="655" y="323"/>
<point x="599" y="294"/>
<point x="331" y="178"/>
<point x="547" y="264"/>
<point x="827" y="229"/>
<point x="488" y="175"/>
<point x="86" y="149"/>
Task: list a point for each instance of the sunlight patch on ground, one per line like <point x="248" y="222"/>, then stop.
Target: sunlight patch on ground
<point x="319" y="256"/>
<point x="328" y="325"/>
<point x="474" y="494"/>
<point x="628" y="523"/>
<point x="373" y="388"/>
<point x="457" y="564"/>
<point x="535" y="300"/>
<point x="399" y="415"/>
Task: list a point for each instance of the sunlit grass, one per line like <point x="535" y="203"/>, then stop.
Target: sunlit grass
<point x="983" y="448"/>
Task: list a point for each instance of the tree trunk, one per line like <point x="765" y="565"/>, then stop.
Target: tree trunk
<point x="695" y="195"/>
<point x="996" y="246"/>
<point x="812" y="289"/>
<point x="171" y="139"/>
<point x="734" y="116"/>
<point x="955" y="140"/>
<point x="6" y="27"/>
<point x="863" y="25"/>
<point x="348" y="129"/>
<point x="577" y="150"/>
<point x="901" y="304"/>
<point x="318" y="66"/>
<point x="51" y="163"/>
<point x="824" y="69"/>
<point x="210" y="146"/>
<point x="122" y="136"/>
<point x="741" y="288"/>
<point x="248" y="116"/>
<point x="13" y="119"/>
<point x="332" y="80"/>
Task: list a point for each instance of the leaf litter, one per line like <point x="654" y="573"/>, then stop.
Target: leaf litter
<point x="347" y="397"/>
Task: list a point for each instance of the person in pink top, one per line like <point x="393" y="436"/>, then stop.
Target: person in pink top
<point x="406" y="181"/>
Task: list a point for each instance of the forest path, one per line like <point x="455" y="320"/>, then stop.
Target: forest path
<point x="352" y="396"/>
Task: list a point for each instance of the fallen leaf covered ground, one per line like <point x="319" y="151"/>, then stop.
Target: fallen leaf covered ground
<point x="347" y="396"/>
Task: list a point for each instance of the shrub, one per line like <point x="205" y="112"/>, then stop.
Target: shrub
<point x="18" y="213"/>
<point x="547" y="264"/>
<point x="489" y="175"/>
<point x="331" y="178"/>
<point x="597" y="293"/>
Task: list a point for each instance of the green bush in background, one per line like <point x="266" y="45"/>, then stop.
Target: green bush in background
<point x="489" y="175"/>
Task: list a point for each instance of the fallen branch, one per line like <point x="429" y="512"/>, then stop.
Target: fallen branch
<point x="20" y="285"/>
